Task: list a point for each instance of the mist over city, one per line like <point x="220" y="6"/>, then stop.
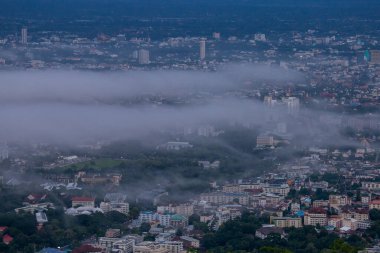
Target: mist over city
<point x="142" y="126"/>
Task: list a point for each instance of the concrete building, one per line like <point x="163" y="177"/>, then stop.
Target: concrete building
<point x="143" y="56"/>
<point x="225" y="198"/>
<point x="292" y="104"/>
<point x="374" y="204"/>
<point x="339" y="200"/>
<point x="371" y="185"/>
<point x="115" y="202"/>
<point x="24" y="36"/>
<point x="264" y="140"/>
<point x="83" y="201"/>
<point x="159" y="247"/>
<point x="279" y="189"/>
<point x="315" y="216"/>
<point x="202" y="49"/>
<point x="4" y="151"/>
<point x="286" y="222"/>
<point x="190" y="242"/>
<point x="123" y="246"/>
<point x="264" y="232"/>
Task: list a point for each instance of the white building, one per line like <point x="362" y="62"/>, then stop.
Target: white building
<point x="143" y="56"/>
<point x="202" y="49"/>
<point x="112" y="206"/>
<point x="264" y="141"/>
<point x="260" y="37"/>
<point x="4" y="151"/>
<point x="24" y="35"/>
<point x="293" y="105"/>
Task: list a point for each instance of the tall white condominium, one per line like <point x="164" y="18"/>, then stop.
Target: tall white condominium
<point x="202" y="49"/>
<point x="24" y="35"/>
<point x="4" y="151"/>
<point x="293" y="105"/>
<point x="143" y="56"/>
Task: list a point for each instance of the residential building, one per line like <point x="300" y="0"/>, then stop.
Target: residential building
<point x="280" y="189"/>
<point x="374" y="204"/>
<point x="24" y="35"/>
<point x="339" y="200"/>
<point x="264" y="232"/>
<point x="371" y="185"/>
<point x="286" y="222"/>
<point x="190" y="242"/>
<point x="143" y="56"/>
<point x="264" y="140"/>
<point x="202" y="49"/>
<point x="83" y="201"/>
<point x="315" y="216"/>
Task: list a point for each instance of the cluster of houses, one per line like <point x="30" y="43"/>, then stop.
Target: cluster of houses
<point x="290" y="198"/>
<point x="86" y="205"/>
<point x="6" y="238"/>
<point x="168" y="242"/>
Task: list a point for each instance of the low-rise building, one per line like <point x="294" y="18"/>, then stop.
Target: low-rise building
<point x="315" y="216"/>
<point x="264" y="232"/>
<point x="374" y="204"/>
<point x="225" y="198"/>
<point x="286" y="222"/>
<point x="83" y="201"/>
<point x="190" y="242"/>
<point x="339" y="200"/>
<point x="280" y="189"/>
<point x="371" y="185"/>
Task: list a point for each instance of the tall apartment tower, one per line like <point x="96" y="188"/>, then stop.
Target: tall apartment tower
<point x="202" y="49"/>
<point x="293" y="105"/>
<point x="24" y="35"/>
<point x="143" y="56"/>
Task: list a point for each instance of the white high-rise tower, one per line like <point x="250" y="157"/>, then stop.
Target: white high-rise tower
<point x="202" y="49"/>
<point x="24" y="35"/>
<point x="293" y="105"/>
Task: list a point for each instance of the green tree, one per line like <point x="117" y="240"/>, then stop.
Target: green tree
<point x="144" y="227"/>
<point x="374" y="214"/>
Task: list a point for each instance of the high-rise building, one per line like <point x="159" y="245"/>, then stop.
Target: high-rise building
<point x="143" y="56"/>
<point x="269" y="101"/>
<point x="293" y="105"/>
<point x="202" y="49"/>
<point x="24" y="35"/>
<point x="4" y="151"/>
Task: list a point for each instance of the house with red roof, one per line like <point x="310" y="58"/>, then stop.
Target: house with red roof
<point x="83" y="201"/>
<point x="7" y="239"/>
<point x="3" y="229"/>
<point x="374" y="204"/>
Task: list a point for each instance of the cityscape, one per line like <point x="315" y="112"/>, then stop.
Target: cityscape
<point x="173" y="126"/>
